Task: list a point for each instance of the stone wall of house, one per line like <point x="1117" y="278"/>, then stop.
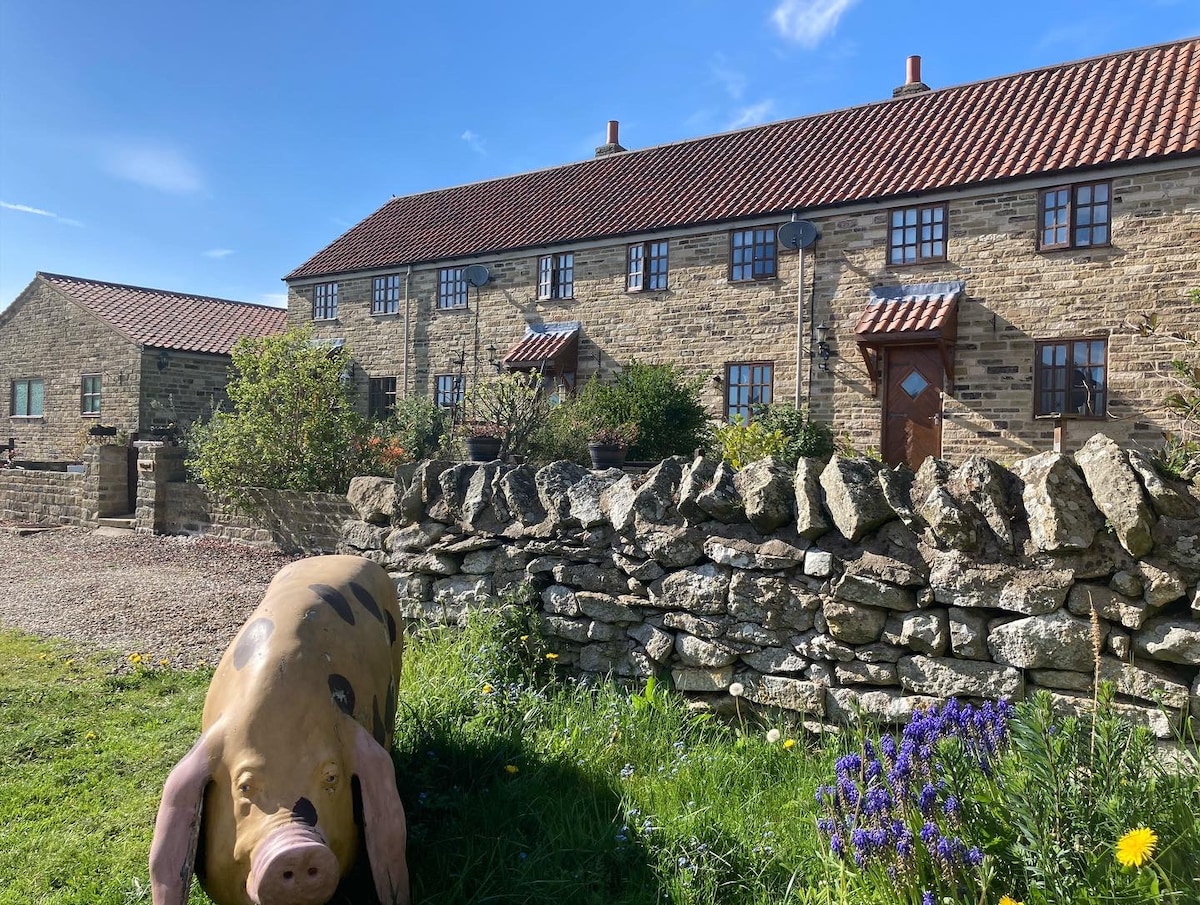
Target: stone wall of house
<point x="828" y="587"/>
<point x="41" y="497"/>
<point x="181" y="387"/>
<point x="44" y="335"/>
<point x="293" y="522"/>
<point x="1015" y="295"/>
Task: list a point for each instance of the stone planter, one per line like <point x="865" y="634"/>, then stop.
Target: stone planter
<point x="482" y="449"/>
<point x="606" y="455"/>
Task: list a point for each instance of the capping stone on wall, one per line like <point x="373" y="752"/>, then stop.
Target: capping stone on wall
<point x="829" y="590"/>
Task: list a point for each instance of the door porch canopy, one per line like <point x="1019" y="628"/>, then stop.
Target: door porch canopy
<point x="912" y="315"/>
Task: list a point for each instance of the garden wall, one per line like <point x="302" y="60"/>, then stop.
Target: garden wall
<point x="826" y="589"/>
<point x="41" y="497"/>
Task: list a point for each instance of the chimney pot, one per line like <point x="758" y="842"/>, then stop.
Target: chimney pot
<point x="614" y="125"/>
<point x="913" y="83"/>
<point x="612" y="145"/>
<point x="914" y="70"/>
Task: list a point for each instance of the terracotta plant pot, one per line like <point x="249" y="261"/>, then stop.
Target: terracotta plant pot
<point x="482" y="449"/>
<point x="606" y="455"/>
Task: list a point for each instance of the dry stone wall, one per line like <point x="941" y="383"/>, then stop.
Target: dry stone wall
<point x="826" y="589"/>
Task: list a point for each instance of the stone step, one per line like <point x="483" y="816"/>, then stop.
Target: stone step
<point x="116" y="525"/>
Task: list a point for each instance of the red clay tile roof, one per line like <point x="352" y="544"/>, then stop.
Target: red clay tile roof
<point x="905" y="313"/>
<point x="1133" y="106"/>
<point x="171" y="320"/>
<point x="543" y="343"/>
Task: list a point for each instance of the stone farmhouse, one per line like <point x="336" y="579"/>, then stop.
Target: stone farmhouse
<point x="944" y="272"/>
<point x="75" y="353"/>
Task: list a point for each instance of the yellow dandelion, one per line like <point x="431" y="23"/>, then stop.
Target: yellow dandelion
<point x="790" y="743"/>
<point x="487" y="689"/>
<point x="511" y="769"/>
<point x="524" y="637"/>
<point x="135" y="659"/>
<point x="1135" y="847"/>
<point x="163" y="662"/>
<point x="1009" y="900"/>
<point x="551" y="656"/>
<point x="91" y="736"/>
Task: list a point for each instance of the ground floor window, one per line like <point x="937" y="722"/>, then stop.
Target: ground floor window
<point x="448" y="390"/>
<point x="381" y="396"/>
<point x="28" y="397"/>
<point x="89" y="394"/>
<point x="1071" y="377"/>
<point x="748" y="384"/>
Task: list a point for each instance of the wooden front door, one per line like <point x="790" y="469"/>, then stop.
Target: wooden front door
<point x="912" y="405"/>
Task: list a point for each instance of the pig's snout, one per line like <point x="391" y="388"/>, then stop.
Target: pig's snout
<point x="292" y="866"/>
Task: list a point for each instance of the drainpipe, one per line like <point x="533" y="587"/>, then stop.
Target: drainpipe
<point x="407" y="280"/>
<point x="799" y="325"/>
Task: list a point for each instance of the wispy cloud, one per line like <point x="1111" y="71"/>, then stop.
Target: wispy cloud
<point x="807" y="22"/>
<point x="37" y="211"/>
<point x="278" y="299"/>
<point x="218" y="253"/>
<point x="752" y="115"/>
<point x="730" y="79"/>
<point x="474" y="142"/>
<point x="155" y="165"/>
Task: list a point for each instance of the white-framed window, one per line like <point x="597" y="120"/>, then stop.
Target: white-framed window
<point x="325" y="301"/>
<point x="749" y="384"/>
<point x="385" y="294"/>
<point x="452" y="288"/>
<point x="28" y="397"/>
<point x="448" y="390"/>
<point x="647" y="266"/>
<point x="556" y="276"/>
<point x="89" y="394"/>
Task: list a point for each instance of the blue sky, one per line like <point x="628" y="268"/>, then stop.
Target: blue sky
<point x="212" y="147"/>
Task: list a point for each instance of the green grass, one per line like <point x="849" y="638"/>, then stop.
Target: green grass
<point x="523" y="786"/>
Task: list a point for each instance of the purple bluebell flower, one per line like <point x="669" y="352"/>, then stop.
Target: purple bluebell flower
<point x="927" y="898"/>
<point x="837" y="845"/>
<point x="826" y="825"/>
<point x="927" y="800"/>
<point x="950" y="806"/>
<point x="929" y="832"/>
<point x="974" y="856"/>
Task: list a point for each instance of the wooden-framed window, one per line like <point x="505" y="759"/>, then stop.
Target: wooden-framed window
<point x="325" y="301"/>
<point x="381" y="396"/>
<point x="647" y="268"/>
<point x="452" y="288"/>
<point x="1071" y="377"/>
<point x="448" y="390"/>
<point x="89" y="395"/>
<point x="748" y="384"/>
<point x="28" y="397"/>
<point x="556" y="276"/>
<point x="385" y="294"/>
<point x="752" y="254"/>
<point x="1075" y="216"/>
<point x="917" y="234"/>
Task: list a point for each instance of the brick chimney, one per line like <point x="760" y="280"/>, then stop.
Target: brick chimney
<point x="612" y="146"/>
<point x="912" y="83"/>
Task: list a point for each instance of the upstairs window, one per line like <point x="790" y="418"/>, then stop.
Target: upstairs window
<point x="556" y="276"/>
<point x="1075" y="216"/>
<point x="89" y="394"/>
<point x="448" y="391"/>
<point x="385" y="295"/>
<point x="749" y="384"/>
<point x="325" y="301"/>
<point x="452" y="288"/>
<point x="647" y="266"/>
<point x="381" y="396"/>
<point x="752" y="254"/>
<point x="917" y="234"/>
<point x="1071" y="378"/>
<point x="28" y="397"/>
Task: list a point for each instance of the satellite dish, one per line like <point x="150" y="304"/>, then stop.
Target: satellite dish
<point x="797" y="234"/>
<point x="476" y="275"/>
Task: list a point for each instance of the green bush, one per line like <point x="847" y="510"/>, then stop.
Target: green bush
<point x="510" y="407"/>
<point x="740" y="444"/>
<point x="417" y="425"/>
<point x="803" y="437"/>
<point x="293" y="423"/>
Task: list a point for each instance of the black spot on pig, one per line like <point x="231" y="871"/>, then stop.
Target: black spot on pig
<point x="334" y="598"/>
<point x="342" y="693"/>
<point x="304" y="812"/>
<point x="365" y="598"/>
<point x="391" y="625"/>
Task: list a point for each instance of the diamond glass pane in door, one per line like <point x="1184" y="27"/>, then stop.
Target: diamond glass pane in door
<point x="914" y="384"/>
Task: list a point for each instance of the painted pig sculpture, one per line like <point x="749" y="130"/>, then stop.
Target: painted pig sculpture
<point x="296" y="732"/>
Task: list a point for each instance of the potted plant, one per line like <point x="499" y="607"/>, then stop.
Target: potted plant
<point x="482" y="439"/>
<point x="608" y="444"/>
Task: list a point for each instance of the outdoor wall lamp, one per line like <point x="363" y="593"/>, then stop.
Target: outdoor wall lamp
<point x="823" y="350"/>
<point x="493" y="360"/>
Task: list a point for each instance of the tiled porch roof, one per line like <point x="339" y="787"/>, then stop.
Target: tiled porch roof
<point x="923" y="311"/>
<point x="543" y="343"/>
<point x="171" y="320"/>
<point x="1129" y="107"/>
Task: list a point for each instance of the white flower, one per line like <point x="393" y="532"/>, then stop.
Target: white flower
<point x="773" y="736"/>
<point x="737" y="689"/>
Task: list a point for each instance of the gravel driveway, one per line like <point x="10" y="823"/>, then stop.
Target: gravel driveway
<point x="177" y="598"/>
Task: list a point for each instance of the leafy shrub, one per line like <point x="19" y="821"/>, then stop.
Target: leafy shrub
<point x="417" y="425"/>
<point x="293" y="424"/>
<point x="510" y="406"/>
<point x="659" y="400"/>
<point x="803" y="437"/>
<point x="740" y="444"/>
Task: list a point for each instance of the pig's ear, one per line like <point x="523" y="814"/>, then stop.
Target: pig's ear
<point x="177" y="827"/>
<point x="383" y="818"/>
